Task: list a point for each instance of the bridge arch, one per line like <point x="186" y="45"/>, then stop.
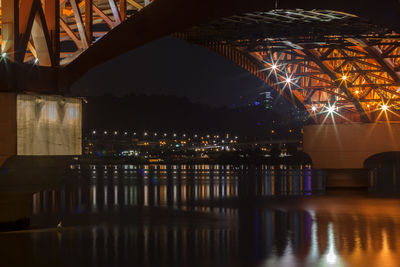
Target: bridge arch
<point x="368" y="59"/>
<point x="369" y="66"/>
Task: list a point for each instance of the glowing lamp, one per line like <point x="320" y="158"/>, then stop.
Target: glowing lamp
<point x="331" y="109"/>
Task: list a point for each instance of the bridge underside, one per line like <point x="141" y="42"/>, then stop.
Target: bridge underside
<point x="340" y="68"/>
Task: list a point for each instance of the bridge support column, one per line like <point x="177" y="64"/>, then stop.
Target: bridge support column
<point x="341" y="149"/>
<point x="39" y="134"/>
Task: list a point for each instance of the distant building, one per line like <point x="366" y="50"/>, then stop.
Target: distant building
<point x="266" y="100"/>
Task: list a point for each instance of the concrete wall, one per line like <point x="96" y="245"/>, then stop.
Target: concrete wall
<point x="8" y="126"/>
<point x="347" y="146"/>
<point x="48" y="125"/>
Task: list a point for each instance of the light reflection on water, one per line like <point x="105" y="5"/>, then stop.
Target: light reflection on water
<point x="204" y="216"/>
<point x="180" y="186"/>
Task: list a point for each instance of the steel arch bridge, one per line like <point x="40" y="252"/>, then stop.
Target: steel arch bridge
<point x="335" y="59"/>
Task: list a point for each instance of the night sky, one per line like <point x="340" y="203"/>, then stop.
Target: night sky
<point x="173" y="67"/>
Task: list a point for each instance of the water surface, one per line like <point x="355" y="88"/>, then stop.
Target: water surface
<point x="204" y="215"/>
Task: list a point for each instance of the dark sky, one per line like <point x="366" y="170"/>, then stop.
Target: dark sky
<point x="171" y="66"/>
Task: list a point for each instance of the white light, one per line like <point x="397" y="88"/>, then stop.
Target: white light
<point x="145" y="134"/>
<point x="155" y="134"/>
<point x="288" y="80"/>
<point x="115" y="132"/>
<point x="105" y="132"/>
<point x="4" y="54"/>
<point x="274" y="66"/>
<point x="125" y="133"/>
<point x="384" y="107"/>
<point x="331" y="109"/>
<point x="36" y="60"/>
<point x="165" y="134"/>
<point x="94" y="132"/>
<point x="313" y="108"/>
<point x="344" y="77"/>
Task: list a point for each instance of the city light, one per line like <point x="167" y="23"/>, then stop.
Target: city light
<point x="384" y="107"/>
<point x="94" y="132"/>
<point x="165" y="134"/>
<point x="125" y="133"/>
<point x="288" y="80"/>
<point x="4" y="54"/>
<point x="115" y="132"/>
<point x="145" y="134"/>
<point x="105" y="132"/>
<point x="344" y="77"/>
<point x="313" y="108"/>
<point x="36" y="60"/>
<point x="155" y="134"/>
<point x="274" y="66"/>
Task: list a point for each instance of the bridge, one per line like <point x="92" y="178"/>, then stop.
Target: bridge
<point x="339" y="60"/>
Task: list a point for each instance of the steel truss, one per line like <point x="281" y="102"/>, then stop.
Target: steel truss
<point x="353" y="75"/>
<point x="54" y="32"/>
<point x="324" y="61"/>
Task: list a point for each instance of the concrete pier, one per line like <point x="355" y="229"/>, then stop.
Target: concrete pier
<point x="39" y="136"/>
<point x="341" y="149"/>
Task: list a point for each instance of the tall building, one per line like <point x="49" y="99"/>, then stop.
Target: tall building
<point x="266" y="100"/>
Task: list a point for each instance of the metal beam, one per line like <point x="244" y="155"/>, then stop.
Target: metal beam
<point x="9" y="27"/>
<point x="314" y="56"/>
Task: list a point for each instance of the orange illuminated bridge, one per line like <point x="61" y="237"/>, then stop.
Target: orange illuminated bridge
<point x="334" y="59"/>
